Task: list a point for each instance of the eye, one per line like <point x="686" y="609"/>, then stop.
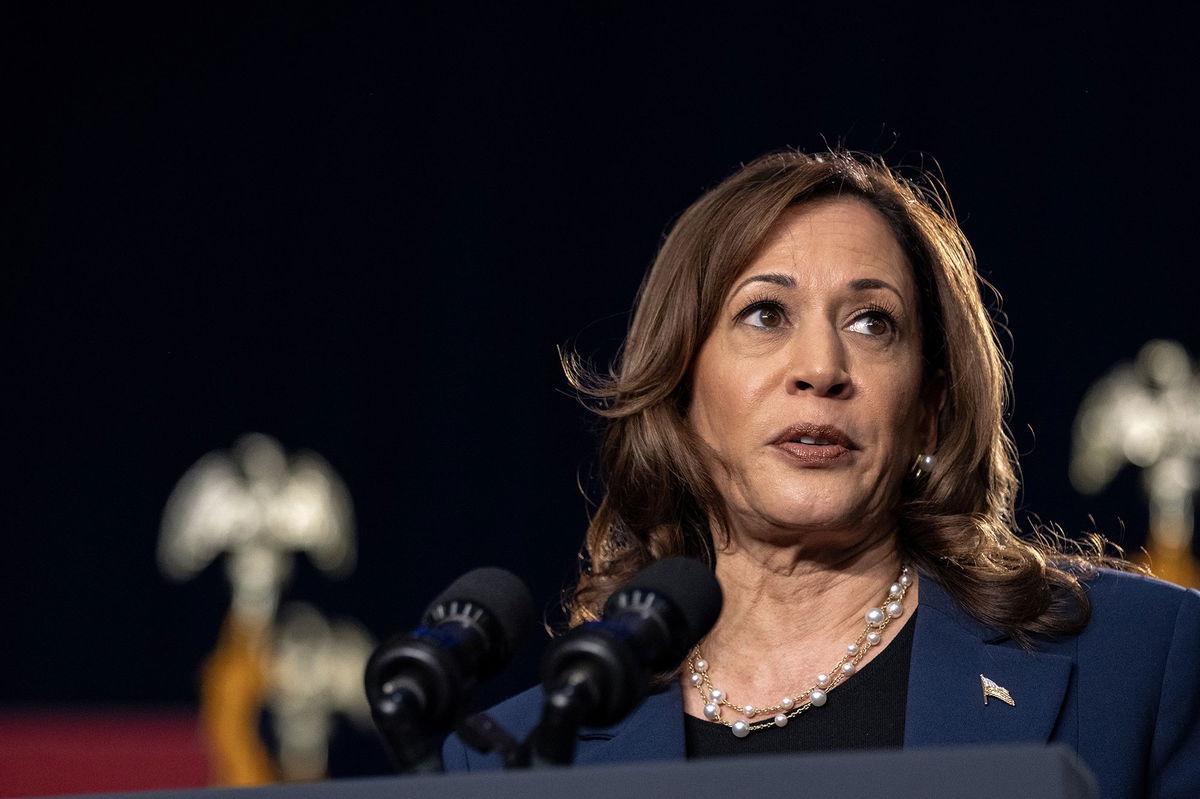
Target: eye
<point x="766" y="315"/>
<point x="876" y="324"/>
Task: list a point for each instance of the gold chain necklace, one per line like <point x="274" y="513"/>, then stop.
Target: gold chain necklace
<point x="792" y="705"/>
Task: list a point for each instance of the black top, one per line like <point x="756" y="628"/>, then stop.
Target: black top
<point x="864" y="712"/>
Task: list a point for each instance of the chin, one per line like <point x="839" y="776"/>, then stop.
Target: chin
<point x="828" y="501"/>
<point x="801" y="505"/>
<point x="804" y="519"/>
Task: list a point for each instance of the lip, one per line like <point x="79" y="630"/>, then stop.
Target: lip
<point x="838" y="446"/>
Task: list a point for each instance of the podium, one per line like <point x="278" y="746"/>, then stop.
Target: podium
<point x="978" y="772"/>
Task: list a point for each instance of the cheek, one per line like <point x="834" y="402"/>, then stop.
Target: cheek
<point x="723" y="399"/>
<point x="912" y="428"/>
<point x="897" y="406"/>
<point x="709" y="410"/>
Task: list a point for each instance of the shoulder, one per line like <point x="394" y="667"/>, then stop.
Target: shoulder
<point x="1130" y="610"/>
<point x="1139" y="605"/>
<point x="1134" y="585"/>
<point x="1146" y="632"/>
<point x="1135" y="618"/>
<point x="518" y="715"/>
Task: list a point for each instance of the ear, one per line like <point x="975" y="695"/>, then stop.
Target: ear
<point x="933" y="399"/>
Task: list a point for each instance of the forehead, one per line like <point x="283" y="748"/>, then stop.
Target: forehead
<point x="840" y="239"/>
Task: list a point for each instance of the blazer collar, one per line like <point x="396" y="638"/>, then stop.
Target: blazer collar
<point x="945" y="694"/>
<point x="654" y="731"/>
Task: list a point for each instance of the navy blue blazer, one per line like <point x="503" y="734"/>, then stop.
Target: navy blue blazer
<point x="1124" y="693"/>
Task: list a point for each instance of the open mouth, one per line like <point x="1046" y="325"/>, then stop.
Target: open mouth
<point x="812" y="435"/>
<point x="815" y="445"/>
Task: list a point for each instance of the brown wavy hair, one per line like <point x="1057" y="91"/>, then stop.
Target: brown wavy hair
<point x="957" y="524"/>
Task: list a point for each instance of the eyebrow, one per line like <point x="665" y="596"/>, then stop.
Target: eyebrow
<point x="771" y="277"/>
<point x="869" y="283"/>
<point x="788" y="282"/>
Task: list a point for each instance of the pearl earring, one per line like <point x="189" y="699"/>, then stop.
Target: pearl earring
<point x="923" y="465"/>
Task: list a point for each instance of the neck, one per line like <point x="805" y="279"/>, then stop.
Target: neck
<point x="790" y="611"/>
<point x="775" y="594"/>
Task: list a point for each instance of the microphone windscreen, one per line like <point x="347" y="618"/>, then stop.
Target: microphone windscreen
<point x="504" y="595"/>
<point x="687" y="584"/>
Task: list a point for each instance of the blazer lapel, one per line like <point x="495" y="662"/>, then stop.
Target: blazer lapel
<point x="945" y="694"/>
<point x="654" y="731"/>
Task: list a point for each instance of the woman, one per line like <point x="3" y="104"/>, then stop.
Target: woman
<point x="810" y="398"/>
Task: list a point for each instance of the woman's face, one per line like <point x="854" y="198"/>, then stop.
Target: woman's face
<point x="809" y="387"/>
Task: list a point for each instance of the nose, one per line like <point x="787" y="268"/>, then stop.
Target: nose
<point x="818" y="364"/>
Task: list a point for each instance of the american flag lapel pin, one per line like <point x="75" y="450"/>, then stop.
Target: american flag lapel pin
<point x="990" y="688"/>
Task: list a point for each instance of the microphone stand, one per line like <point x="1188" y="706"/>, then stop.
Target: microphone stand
<point x="483" y="734"/>
<point x="568" y="702"/>
<point x="598" y="672"/>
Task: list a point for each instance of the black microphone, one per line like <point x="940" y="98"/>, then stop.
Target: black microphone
<point x="417" y="684"/>
<point x="598" y="672"/>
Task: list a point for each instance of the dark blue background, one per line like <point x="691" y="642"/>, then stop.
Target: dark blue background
<point x="364" y="228"/>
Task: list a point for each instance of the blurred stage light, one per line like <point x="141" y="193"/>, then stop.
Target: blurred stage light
<point x="259" y="508"/>
<point x="1148" y="414"/>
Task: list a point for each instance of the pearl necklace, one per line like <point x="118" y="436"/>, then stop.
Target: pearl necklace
<point x="792" y="705"/>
